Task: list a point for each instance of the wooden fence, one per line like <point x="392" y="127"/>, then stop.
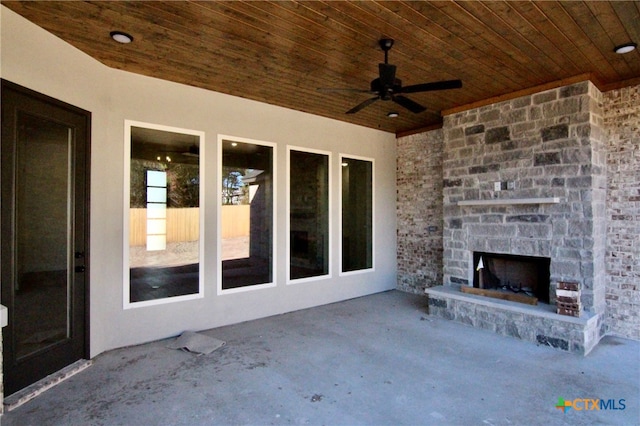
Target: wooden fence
<point x="184" y="224"/>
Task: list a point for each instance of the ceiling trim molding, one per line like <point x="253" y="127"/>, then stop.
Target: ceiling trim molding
<point x="620" y="84"/>
<point x="418" y="130"/>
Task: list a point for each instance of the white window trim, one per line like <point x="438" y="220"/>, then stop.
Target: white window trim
<point x="373" y="217"/>
<point x="329" y="155"/>
<point x="274" y="234"/>
<point x="126" y="304"/>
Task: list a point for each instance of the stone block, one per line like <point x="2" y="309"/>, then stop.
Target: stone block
<point x="438" y="303"/>
<point x="528" y="218"/>
<point x="497" y="245"/>
<point x="521" y="102"/>
<point x="544" y="97"/>
<point x="484" y="169"/>
<point x="515" y="116"/>
<point x="534" y="230"/>
<point x="546" y="158"/>
<point x="497" y="134"/>
<point x="489" y="115"/>
<point x="560" y="131"/>
<point x="579" y="182"/>
<point x="574" y="90"/>
<point x="562" y="108"/>
<point x="455" y="223"/>
<point x="452" y="183"/>
<point x="578" y="155"/>
<point x="474" y="130"/>
<point x="554" y="342"/>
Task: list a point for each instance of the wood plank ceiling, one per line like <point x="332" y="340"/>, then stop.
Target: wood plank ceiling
<point x="281" y="52"/>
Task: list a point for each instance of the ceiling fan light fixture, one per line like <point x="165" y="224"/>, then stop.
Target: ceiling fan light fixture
<point x="121" y="37"/>
<point x="625" y="48"/>
<point x="392" y="114"/>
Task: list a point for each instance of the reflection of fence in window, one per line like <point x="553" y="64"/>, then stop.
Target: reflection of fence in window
<point x="183" y="224"/>
<point x="156" y="210"/>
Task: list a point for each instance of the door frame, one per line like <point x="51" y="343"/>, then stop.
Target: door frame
<point x="81" y="202"/>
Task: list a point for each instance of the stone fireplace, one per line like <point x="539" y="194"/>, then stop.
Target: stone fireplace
<point x="526" y="177"/>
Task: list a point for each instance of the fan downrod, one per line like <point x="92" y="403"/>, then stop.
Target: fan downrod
<point x="386" y="44"/>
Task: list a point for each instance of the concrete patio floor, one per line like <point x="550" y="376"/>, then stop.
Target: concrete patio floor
<point x="374" y="360"/>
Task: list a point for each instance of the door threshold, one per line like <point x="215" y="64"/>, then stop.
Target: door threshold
<point x="25" y="395"/>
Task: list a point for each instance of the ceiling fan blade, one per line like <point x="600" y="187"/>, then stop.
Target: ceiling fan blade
<point x="387" y="74"/>
<point x="408" y="104"/>
<point x="342" y="90"/>
<point x="436" y="85"/>
<point x="362" y="105"/>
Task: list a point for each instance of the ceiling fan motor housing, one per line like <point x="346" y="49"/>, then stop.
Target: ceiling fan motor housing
<point x="385" y="92"/>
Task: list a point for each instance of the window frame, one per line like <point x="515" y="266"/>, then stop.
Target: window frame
<point x="342" y="156"/>
<point x="126" y="291"/>
<point x="220" y="291"/>
<point x="328" y="275"/>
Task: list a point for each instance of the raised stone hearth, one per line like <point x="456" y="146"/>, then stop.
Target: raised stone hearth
<point x="526" y="177"/>
<point x="538" y="324"/>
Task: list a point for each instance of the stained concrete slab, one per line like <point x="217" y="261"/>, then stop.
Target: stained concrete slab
<point x="375" y="360"/>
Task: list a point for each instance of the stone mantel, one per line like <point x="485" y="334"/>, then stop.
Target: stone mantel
<point x="508" y="202"/>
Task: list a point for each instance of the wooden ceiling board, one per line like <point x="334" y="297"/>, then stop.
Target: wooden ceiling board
<point x="281" y="52"/>
<point x="531" y="45"/>
<point x="560" y="15"/>
<point x="469" y="47"/>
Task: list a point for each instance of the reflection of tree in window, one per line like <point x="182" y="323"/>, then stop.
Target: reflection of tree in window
<point x="234" y="190"/>
<point x="246" y="214"/>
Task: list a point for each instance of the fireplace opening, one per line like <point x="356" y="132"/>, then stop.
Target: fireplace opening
<point x="526" y="275"/>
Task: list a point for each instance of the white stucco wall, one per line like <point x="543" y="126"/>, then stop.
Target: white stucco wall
<point x="39" y="61"/>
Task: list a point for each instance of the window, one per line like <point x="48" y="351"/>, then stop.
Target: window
<point x="309" y="182"/>
<point x="246" y="214"/>
<point x="357" y="214"/>
<point x="163" y="244"/>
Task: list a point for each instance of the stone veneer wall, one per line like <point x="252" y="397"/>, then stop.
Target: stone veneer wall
<point x="419" y="211"/>
<point x="418" y="180"/>
<point x="622" y="118"/>
<point x="549" y="144"/>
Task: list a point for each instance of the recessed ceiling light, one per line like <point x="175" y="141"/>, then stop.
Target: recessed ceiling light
<point x="625" y="48"/>
<point x="392" y="114"/>
<point x="121" y="37"/>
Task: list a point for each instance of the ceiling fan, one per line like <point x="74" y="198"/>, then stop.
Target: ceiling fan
<point x="387" y="87"/>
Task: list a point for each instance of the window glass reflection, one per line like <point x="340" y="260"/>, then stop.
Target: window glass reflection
<point x="357" y="214"/>
<point x="308" y="215"/>
<point x="164" y="214"/>
<point x="246" y="214"/>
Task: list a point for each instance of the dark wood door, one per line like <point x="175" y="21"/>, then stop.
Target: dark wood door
<point x="44" y="153"/>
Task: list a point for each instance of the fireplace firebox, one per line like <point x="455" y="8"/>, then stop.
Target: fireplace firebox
<point x="525" y="275"/>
